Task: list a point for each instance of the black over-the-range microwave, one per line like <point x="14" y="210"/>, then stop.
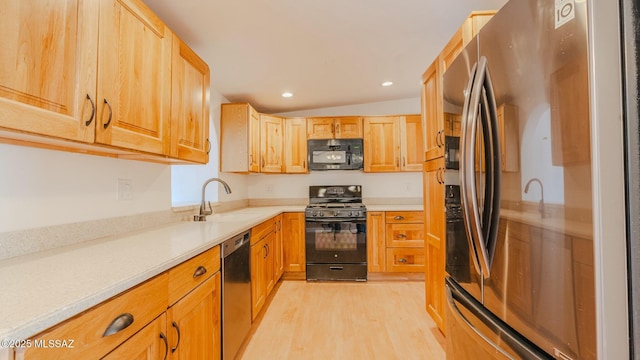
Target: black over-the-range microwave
<point x="336" y="154"/>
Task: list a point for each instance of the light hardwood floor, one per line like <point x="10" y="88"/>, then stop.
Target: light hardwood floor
<point x="373" y="320"/>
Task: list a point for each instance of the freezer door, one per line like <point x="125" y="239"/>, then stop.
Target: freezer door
<point x="475" y="333"/>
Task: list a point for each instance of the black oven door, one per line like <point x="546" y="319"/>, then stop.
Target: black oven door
<point x="336" y="241"/>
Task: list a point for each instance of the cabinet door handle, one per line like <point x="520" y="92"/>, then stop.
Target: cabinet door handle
<point x="93" y="111"/>
<point x="337" y="128"/>
<point x="166" y="345"/>
<point x="208" y="146"/>
<point x="201" y="270"/>
<point x="398" y="217"/>
<point x="175" y="326"/>
<point x="106" y="125"/>
<point x="304" y="164"/>
<point x="118" y="324"/>
<point x="333" y="129"/>
<point x="402" y="260"/>
<point x="398" y="162"/>
<point x="404" y="161"/>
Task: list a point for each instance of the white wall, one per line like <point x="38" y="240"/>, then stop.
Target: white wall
<point x="44" y="187"/>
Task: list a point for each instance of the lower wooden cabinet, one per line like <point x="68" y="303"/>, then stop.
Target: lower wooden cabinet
<point x="434" y="244"/>
<point x="266" y="256"/>
<point x="395" y="241"/>
<point x="145" y="322"/>
<point x="293" y="236"/>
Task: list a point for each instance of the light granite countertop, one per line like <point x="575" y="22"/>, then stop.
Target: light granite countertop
<point x="48" y="287"/>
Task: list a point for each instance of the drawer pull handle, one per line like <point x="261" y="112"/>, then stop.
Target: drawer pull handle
<point x="166" y="345"/>
<point x="173" y="323"/>
<point x="118" y="324"/>
<point x="336" y="268"/>
<point x="402" y="236"/>
<point x="402" y="260"/>
<point x="398" y="217"/>
<point x="201" y="270"/>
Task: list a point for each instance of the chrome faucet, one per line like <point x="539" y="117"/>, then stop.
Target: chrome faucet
<point x="541" y="204"/>
<point x="203" y="209"/>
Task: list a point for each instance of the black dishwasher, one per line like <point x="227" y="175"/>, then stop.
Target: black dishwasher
<point x="236" y="294"/>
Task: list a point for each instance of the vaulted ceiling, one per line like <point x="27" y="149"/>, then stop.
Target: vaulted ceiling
<point x="326" y="52"/>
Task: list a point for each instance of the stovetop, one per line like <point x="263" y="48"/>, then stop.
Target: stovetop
<point x="336" y="201"/>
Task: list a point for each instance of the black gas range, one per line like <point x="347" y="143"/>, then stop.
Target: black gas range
<point x="336" y="230"/>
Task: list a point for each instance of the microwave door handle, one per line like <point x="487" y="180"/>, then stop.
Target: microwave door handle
<point x="465" y="154"/>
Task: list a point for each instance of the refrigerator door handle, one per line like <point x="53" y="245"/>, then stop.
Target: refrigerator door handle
<point x="464" y="159"/>
<point x="482" y="232"/>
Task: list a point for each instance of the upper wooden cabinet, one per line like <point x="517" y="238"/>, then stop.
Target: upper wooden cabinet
<point x="189" y="105"/>
<point x="240" y="138"/>
<point x="432" y="108"/>
<point x="105" y="79"/>
<point x="49" y="90"/>
<point x="134" y="78"/>
<point x="393" y="143"/>
<point x="271" y="141"/>
<point x="347" y="127"/>
<point x="295" y="145"/>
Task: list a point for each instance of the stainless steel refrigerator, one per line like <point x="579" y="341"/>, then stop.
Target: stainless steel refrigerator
<point x="520" y="271"/>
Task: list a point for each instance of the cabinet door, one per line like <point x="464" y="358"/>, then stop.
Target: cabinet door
<point x="320" y="128"/>
<point x="381" y="144"/>
<point x="134" y="78"/>
<point x="434" y="240"/>
<point x="48" y="67"/>
<point x="150" y="343"/>
<point x="278" y="256"/>
<point x="189" y="105"/>
<point x="293" y="242"/>
<point x="411" y="138"/>
<point x="376" y="249"/>
<point x="295" y="145"/>
<point x="431" y="108"/>
<point x="348" y="128"/>
<point x="258" y="283"/>
<point x="270" y="262"/>
<point x="270" y="144"/>
<point x="194" y="323"/>
<point x="254" y="140"/>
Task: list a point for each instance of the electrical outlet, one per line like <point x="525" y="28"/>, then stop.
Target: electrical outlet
<point x="125" y="189"/>
<point x="269" y="188"/>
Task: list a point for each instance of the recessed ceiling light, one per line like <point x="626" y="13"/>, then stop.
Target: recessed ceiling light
<point x="287" y="94"/>
<point x="387" y="83"/>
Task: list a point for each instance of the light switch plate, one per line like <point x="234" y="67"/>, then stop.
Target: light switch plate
<point x="125" y="189"/>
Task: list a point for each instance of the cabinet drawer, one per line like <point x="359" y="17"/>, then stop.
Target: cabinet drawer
<point x="141" y="304"/>
<point x="404" y="217"/>
<point x="405" y="260"/>
<point x="261" y="230"/>
<point x="186" y="276"/>
<point x="405" y="235"/>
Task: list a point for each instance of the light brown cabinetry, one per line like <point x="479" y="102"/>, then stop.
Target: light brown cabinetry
<point x="178" y="311"/>
<point x="266" y="251"/>
<point x="134" y="78"/>
<point x="271" y="141"/>
<point x="240" y="138"/>
<point x="293" y="234"/>
<point x="295" y="145"/>
<point x="405" y="241"/>
<point x="346" y="127"/>
<point x="106" y="80"/>
<point x="376" y="248"/>
<point x="189" y="105"/>
<point x="432" y="106"/>
<point x="434" y="243"/>
<point x="395" y="241"/>
<point x="392" y="143"/>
